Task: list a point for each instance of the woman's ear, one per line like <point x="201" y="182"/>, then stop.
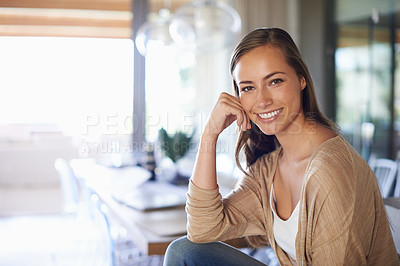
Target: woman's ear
<point x="303" y="83"/>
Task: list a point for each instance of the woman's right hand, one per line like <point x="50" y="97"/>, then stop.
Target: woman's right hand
<point x="227" y="109"/>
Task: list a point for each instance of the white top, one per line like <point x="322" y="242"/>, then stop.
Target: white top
<point x="285" y="231"/>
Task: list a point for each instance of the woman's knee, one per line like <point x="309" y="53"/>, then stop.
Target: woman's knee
<point x="179" y="245"/>
<point x="184" y="252"/>
<point x="176" y="251"/>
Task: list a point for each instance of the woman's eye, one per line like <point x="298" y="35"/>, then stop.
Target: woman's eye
<point x="276" y="81"/>
<point x="246" y="89"/>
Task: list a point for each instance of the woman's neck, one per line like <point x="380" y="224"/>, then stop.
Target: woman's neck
<point x="302" y="138"/>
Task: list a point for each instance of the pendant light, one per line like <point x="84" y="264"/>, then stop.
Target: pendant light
<point x="155" y="31"/>
<point x="205" y="25"/>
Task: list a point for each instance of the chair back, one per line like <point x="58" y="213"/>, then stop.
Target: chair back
<point x="105" y="246"/>
<point x="396" y="192"/>
<point x="69" y="185"/>
<point x="385" y="171"/>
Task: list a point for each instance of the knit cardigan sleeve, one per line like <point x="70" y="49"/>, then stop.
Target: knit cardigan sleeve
<point x="211" y="218"/>
<point x="243" y="212"/>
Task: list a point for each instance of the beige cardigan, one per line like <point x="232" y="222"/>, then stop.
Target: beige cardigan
<point x="342" y="218"/>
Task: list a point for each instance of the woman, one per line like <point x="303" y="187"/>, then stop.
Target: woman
<point x="306" y="191"/>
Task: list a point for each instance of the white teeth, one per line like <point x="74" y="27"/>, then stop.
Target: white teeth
<point x="269" y="115"/>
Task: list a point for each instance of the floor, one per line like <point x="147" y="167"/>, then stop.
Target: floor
<point x="35" y="232"/>
<point x="54" y="240"/>
<point x="37" y="240"/>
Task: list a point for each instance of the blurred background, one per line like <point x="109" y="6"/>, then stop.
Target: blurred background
<point x="100" y="78"/>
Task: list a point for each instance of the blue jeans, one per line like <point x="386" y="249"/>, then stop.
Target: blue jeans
<point x="184" y="252"/>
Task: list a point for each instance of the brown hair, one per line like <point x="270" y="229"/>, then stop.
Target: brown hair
<point x="254" y="142"/>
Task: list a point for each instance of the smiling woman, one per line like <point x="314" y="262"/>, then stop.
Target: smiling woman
<point x="305" y="191"/>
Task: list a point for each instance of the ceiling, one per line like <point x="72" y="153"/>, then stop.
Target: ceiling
<point x="357" y="32"/>
<point x="73" y="18"/>
<point x="351" y="10"/>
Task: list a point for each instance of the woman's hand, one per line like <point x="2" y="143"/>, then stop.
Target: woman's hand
<point x="227" y="109"/>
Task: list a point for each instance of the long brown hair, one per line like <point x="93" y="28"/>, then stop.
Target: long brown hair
<point x="254" y="142"/>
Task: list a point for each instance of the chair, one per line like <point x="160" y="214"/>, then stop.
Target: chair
<point x="91" y="216"/>
<point x="111" y="248"/>
<point x="105" y="245"/>
<point x="385" y="171"/>
<point x="392" y="206"/>
<point x="69" y="185"/>
<point x="396" y="192"/>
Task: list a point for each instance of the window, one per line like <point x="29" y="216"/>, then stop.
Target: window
<point x="84" y="85"/>
<point x="367" y="76"/>
<point x="170" y="90"/>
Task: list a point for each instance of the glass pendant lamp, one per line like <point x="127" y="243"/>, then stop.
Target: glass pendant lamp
<point x="154" y="32"/>
<point x="205" y="25"/>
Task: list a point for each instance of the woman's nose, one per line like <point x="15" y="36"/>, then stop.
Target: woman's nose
<point x="263" y="98"/>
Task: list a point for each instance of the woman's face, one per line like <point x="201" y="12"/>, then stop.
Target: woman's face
<point x="269" y="90"/>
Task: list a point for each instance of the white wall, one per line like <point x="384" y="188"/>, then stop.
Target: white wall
<point x="29" y="183"/>
<point x="30" y="162"/>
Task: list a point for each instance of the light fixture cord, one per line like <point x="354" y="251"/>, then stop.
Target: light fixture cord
<point x="167" y="4"/>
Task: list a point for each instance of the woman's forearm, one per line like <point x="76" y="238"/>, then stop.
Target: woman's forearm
<point x="227" y="110"/>
<point x="205" y="173"/>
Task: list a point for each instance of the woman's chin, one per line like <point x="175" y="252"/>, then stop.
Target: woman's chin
<point x="270" y="130"/>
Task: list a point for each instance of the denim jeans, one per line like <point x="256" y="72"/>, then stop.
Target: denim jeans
<point x="184" y="252"/>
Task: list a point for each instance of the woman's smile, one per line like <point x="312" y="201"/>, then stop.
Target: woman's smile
<point x="270" y="115"/>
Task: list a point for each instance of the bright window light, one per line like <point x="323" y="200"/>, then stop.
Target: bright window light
<point x="170" y="90"/>
<point x="84" y="85"/>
